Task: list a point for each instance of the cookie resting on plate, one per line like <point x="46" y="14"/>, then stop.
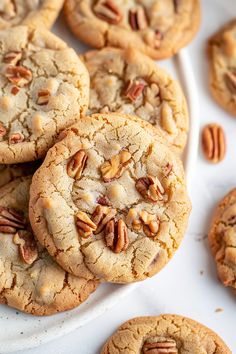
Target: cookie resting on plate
<point x="158" y="28"/>
<point x="164" y="334"/>
<point x="110" y="200"/>
<point x="30" y="280"/>
<point x="129" y="82"/>
<point x="44" y="89"/>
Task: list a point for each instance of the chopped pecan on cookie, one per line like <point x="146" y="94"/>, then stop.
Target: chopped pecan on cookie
<point x="12" y="58"/>
<point x="77" y="164"/>
<point x="150" y="188"/>
<point x="114" y="168"/>
<point x="230" y="80"/>
<point x="11" y="220"/>
<point x="85" y="225"/>
<point x="43" y="97"/>
<point x="138" y="18"/>
<point x="101" y="216"/>
<point x="27" y="246"/>
<point x="108" y="11"/>
<point x="18" y="75"/>
<point x="16" y="138"/>
<point x="213" y="143"/>
<point x="116" y="236"/>
<point x="134" y="89"/>
<point x="159" y="345"/>
<point x="151" y="223"/>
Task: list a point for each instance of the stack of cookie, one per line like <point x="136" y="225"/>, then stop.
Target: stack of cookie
<point x="108" y="200"/>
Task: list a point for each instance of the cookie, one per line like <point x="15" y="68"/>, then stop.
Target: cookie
<point x="222" y="239"/>
<point x="44" y="89"/>
<point x="129" y="82"/>
<point x="222" y="66"/>
<point x="159" y="28"/>
<point x="33" y="13"/>
<point x="122" y="196"/>
<point x="164" y="334"/>
<point x="10" y="172"/>
<point x="30" y="280"/>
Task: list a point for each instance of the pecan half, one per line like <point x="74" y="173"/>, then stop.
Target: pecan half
<point x="116" y="236"/>
<point x="18" y="75"/>
<point x="108" y="11"/>
<point x="16" y="138"/>
<point x="213" y="143"/>
<point x="137" y="18"/>
<point x="27" y="246"/>
<point x="151" y="223"/>
<point x="101" y="216"/>
<point x="3" y="130"/>
<point x="77" y="164"/>
<point x="159" y="345"/>
<point x="85" y="225"/>
<point x="230" y="81"/>
<point x="43" y="97"/>
<point x="134" y="89"/>
<point x="150" y="188"/>
<point x="12" y="58"/>
<point x="114" y="168"/>
<point x="11" y="220"/>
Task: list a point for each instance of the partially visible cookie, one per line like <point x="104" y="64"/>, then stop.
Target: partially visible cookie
<point x="10" y="172"/>
<point x="222" y="239"/>
<point x="110" y="200"/>
<point x="30" y="280"/>
<point x="33" y="13"/>
<point x="164" y="334"/>
<point x="222" y="61"/>
<point x="44" y="89"/>
<point x="129" y="82"/>
<point x="159" y="28"/>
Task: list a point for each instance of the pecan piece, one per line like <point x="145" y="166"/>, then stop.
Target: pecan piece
<point x="15" y="90"/>
<point x="43" y="97"/>
<point x="85" y="225"/>
<point x="230" y="81"/>
<point x="213" y="143"/>
<point x="151" y="223"/>
<point x="102" y="200"/>
<point x="3" y="130"/>
<point x="77" y="164"/>
<point x="116" y="236"/>
<point x="159" y="345"/>
<point x="114" y="168"/>
<point x="137" y="18"/>
<point x="101" y="216"/>
<point x="107" y="11"/>
<point x="12" y="58"/>
<point x="18" y="75"/>
<point x="176" y="5"/>
<point x="27" y="246"/>
<point x="158" y="38"/>
<point x="11" y="220"/>
<point x="167" y="169"/>
<point x="134" y="89"/>
<point x="16" y="138"/>
<point x="150" y="188"/>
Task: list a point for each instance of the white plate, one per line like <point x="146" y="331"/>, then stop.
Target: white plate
<point x="20" y="331"/>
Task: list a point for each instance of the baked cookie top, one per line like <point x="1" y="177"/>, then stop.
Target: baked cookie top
<point x="222" y="239"/>
<point x="34" y="13"/>
<point x="164" y="334"/>
<point x="44" y="89"/>
<point x="109" y="200"/>
<point x="10" y="172"/>
<point x="29" y="278"/>
<point x="158" y="28"/>
<point x="222" y="61"/>
<point x="129" y="82"/>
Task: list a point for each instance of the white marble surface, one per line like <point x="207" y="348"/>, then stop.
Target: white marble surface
<point x="189" y="293"/>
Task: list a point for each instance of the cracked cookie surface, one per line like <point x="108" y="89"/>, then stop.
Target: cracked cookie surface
<point x="33" y="13"/>
<point x="30" y="280"/>
<point x="164" y="334"/>
<point x="222" y="62"/>
<point x="129" y="82"/>
<point x="109" y="200"/>
<point x="44" y="89"/>
<point x="222" y="239"/>
<point x="159" y="28"/>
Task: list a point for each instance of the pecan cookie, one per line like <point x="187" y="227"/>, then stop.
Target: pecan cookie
<point x="159" y="28"/>
<point x="129" y="82"/>
<point x="222" y="239"/>
<point x="164" y="334"/>
<point x="44" y="89"/>
<point x="10" y="172"/>
<point x="29" y="278"/>
<point x="109" y="200"/>
<point x="222" y="60"/>
<point x="34" y="13"/>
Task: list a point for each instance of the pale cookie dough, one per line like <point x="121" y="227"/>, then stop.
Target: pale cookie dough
<point x="159" y="28"/>
<point x="10" y="172"/>
<point x="30" y="280"/>
<point x="44" y="89"/>
<point x="222" y="61"/>
<point x="222" y="239"/>
<point x="33" y="13"/>
<point x="110" y="200"/>
<point x="129" y="82"/>
<point x="164" y="334"/>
